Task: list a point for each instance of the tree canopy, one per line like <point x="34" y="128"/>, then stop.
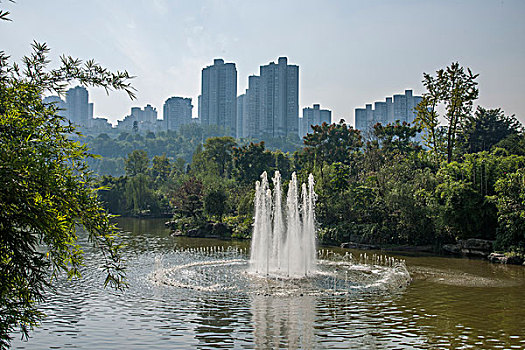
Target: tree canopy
<point x="455" y="90"/>
<point x="47" y="190"/>
<point x="486" y="128"/>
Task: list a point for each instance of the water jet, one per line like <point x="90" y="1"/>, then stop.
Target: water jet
<point x="283" y="259"/>
<point x="283" y="241"/>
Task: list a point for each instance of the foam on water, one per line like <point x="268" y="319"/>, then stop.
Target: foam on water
<point x="220" y="270"/>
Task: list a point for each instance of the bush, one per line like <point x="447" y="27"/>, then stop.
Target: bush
<point x="241" y="226"/>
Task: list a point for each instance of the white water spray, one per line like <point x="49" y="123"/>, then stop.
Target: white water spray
<point x="285" y="249"/>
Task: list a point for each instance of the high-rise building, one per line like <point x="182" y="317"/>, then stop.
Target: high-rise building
<point x="313" y="116"/>
<point x="252" y="110"/>
<point x="400" y="107"/>
<point x="58" y="103"/>
<point x="272" y="101"/>
<point x="279" y="89"/>
<point x="218" y="102"/>
<point x="241" y="102"/>
<point x="177" y="112"/>
<point x="78" y="108"/>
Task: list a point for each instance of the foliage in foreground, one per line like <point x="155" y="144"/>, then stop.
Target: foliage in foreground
<point x="47" y="190"/>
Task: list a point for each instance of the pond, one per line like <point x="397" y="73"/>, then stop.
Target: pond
<point x="450" y="303"/>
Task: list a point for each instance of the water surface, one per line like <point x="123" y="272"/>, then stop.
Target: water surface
<point x="451" y="303"/>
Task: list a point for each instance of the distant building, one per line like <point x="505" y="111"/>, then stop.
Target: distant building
<point x="141" y="120"/>
<point x="400" y="107"/>
<point x="218" y="100"/>
<point x="241" y="102"/>
<point x="177" y="111"/>
<point x="252" y="111"/>
<point x="272" y="101"/>
<point x="76" y="107"/>
<point x="279" y="114"/>
<point x="79" y="110"/>
<point x="101" y="124"/>
<point x="60" y="104"/>
<point x="313" y="116"/>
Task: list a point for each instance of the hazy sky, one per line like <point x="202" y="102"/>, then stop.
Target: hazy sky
<point x="349" y="52"/>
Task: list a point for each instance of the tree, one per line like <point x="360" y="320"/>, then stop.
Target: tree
<point x="250" y="161"/>
<point x="140" y="199"/>
<point x="283" y="164"/>
<point x="161" y="168"/>
<point x="454" y="90"/>
<point x="188" y="199"/>
<point x="427" y="115"/>
<point x="511" y="211"/>
<point x="459" y="93"/>
<point x="47" y="189"/>
<point x="137" y="162"/>
<point x="463" y="212"/>
<point x="112" y="193"/>
<point x="219" y="151"/>
<point x="215" y="203"/>
<point x="397" y="137"/>
<point x="513" y="144"/>
<point x="486" y="128"/>
<point x="330" y="143"/>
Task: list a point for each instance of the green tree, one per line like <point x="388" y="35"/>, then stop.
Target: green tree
<point x="283" y="164"/>
<point x="219" y="151"/>
<point x="397" y="137"/>
<point x="330" y="143"/>
<point x="112" y="194"/>
<point x="160" y="168"/>
<point x="188" y="199"/>
<point x="486" y="128"/>
<point x="250" y="161"/>
<point x="463" y="212"/>
<point x="454" y="90"/>
<point x="513" y="144"/>
<point x="137" y="162"/>
<point x="47" y="190"/>
<point x="427" y="115"/>
<point x="140" y="199"/>
<point x="511" y="211"/>
<point x="215" y="203"/>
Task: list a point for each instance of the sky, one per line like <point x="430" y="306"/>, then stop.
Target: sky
<point x="349" y="52"/>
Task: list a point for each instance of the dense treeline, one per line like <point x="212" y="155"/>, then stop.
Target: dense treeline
<point x="178" y="144"/>
<point x="465" y="180"/>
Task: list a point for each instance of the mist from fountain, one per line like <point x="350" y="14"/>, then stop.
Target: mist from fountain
<point x="283" y="243"/>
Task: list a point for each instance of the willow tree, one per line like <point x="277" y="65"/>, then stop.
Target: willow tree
<point x="453" y="90"/>
<point x="47" y="191"/>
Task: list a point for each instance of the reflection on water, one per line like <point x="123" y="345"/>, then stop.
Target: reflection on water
<point x="451" y="303"/>
<point x="283" y="322"/>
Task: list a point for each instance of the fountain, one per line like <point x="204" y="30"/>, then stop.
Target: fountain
<point x="283" y="259"/>
<point x="283" y="248"/>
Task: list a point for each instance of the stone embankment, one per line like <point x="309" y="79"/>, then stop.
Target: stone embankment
<point x="481" y="248"/>
<point x="506" y="259"/>
<point x="470" y="247"/>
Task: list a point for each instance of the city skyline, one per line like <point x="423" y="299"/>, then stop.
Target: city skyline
<point x="352" y="53"/>
<point x="398" y="107"/>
